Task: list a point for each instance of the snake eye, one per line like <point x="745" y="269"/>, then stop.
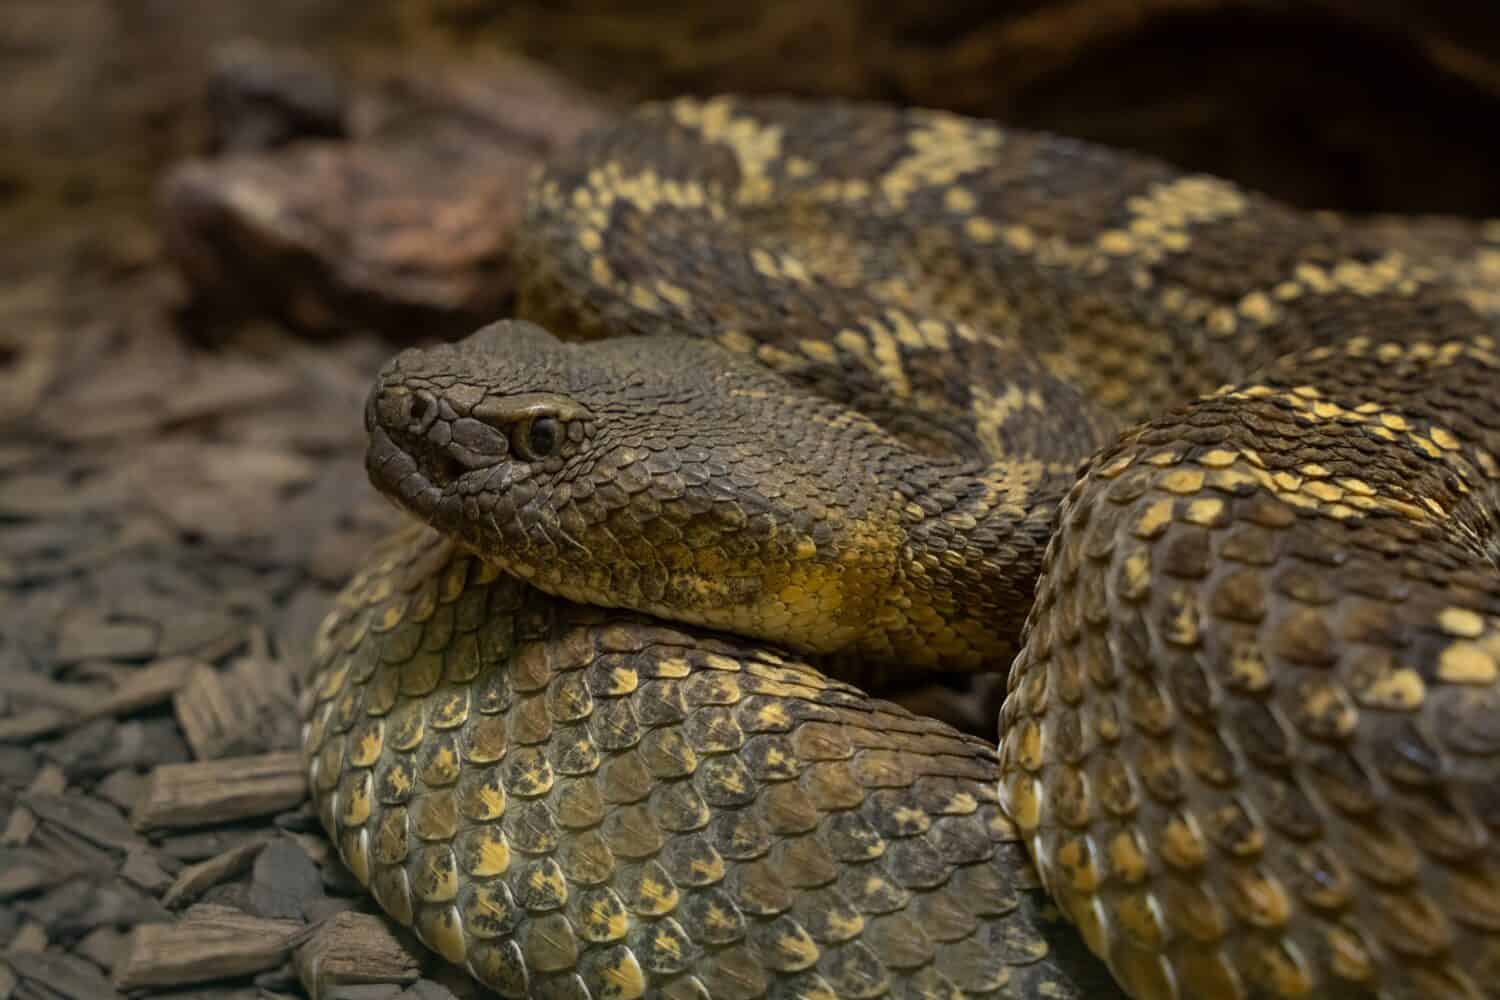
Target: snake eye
<point x="538" y="438"/>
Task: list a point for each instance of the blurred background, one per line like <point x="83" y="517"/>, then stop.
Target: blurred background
<point x="1365" y="105"/>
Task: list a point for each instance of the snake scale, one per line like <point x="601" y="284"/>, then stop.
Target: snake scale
<point x="864" y="391"/>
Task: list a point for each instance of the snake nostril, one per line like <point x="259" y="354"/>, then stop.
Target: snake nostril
<point x="445" y="468"/>
<point x="423" y="409"/>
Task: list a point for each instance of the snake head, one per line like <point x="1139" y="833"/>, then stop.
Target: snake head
<point x="663" y="474"/>
<point x="456" y="422"/>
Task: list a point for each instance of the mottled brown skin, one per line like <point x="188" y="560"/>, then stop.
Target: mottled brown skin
<point x="1253" y="730"/>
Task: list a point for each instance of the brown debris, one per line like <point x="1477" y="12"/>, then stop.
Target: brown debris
<point x="25" y="870"/>
<point x="220" y="791"/>
<point x="194" y="880"/>
<point x="88" y="639"/>
<point x="405" y="226"/>
<point x="24" y="727"/>
<point x="32" y="937"/>
<point x="93" y="820"/>
<point x="209" y="943"/>
<point x="169" y="511"/>
<point x="74" y="699"/>
<point x="146" y="687"/>
<point x="214" y="711"/>
<point x="354" y="948"/>
<point x="23" y="822"/>
<point x="60" y="974"/>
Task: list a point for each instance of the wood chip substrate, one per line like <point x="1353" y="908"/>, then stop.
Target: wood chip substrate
<point x="180" y="496"/>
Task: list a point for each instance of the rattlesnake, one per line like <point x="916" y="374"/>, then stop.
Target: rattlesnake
<point x="861" y="407"/>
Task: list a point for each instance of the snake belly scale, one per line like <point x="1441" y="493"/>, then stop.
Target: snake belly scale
<point x="879" y="392"/>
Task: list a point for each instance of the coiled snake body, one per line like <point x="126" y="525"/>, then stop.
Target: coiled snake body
<point x="857" y="358"/>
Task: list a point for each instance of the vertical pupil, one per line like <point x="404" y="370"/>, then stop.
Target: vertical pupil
<point x="543" y="436"/>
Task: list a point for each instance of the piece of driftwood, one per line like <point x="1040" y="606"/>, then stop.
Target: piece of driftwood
<point x="219" y="791"/>
<point x="209" y="943"/>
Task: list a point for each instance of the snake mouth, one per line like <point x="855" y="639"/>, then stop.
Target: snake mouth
<point x="404" y="458"/>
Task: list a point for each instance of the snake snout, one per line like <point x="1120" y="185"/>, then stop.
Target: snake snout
<point x="431" y="431"/>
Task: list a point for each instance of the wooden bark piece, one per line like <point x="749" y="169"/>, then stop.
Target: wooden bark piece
<point x="146" y="687"/>
<point x="354" y="948"/>
<point x="179" y="795"/>
<point x="209" y="943"/>
<point x="213" y="711"/>
<point x="195" y="879"/>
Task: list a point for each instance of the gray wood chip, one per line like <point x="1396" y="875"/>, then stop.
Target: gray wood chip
<point x="63" y="974"/>
<point x="27" y="726"/>
<point x="122" y="787"/>
<point x="103" y="946"/>
<point x="141" y="868"/>
<point x="89" y="640"/>
<point x="151" y="685"/>
<point x="92" y="819"/>
<point x="193" y="880"/>
<point x="23" y="821"/>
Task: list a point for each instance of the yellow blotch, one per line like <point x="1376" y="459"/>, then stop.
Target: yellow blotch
<point x="1218" y="458"/>
<point x="494" y="858"/>
<point x="679" y="297"/>
<point x="1444" y="439"/>
<point x="1461" y="622"/>
<point x="1258" y="308"/>
<point x="1020" y="239"/>
<point x="1402" y="688"/>
<point x="959" y="200"/>
<point x="981" y="230"/>
<point x="1464" y="662"/>
<point x="1126" y="859"/>
<point x="764" y="263"/>
<point x="1138" y="572"/>
<point x="1182" y="481"/>
<point x="1205" y="511"/>
<point x="1325" y="491"/>
<point x="642" y="298"/>
<point x="845" y="926"/>
<point x="1116" y="243"/>
<point x="1154" y="518"/>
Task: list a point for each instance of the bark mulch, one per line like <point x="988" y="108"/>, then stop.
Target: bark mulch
<point x="181" y="496"/>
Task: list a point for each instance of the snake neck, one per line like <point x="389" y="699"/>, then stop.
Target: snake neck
<point x="972" y="544"/>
